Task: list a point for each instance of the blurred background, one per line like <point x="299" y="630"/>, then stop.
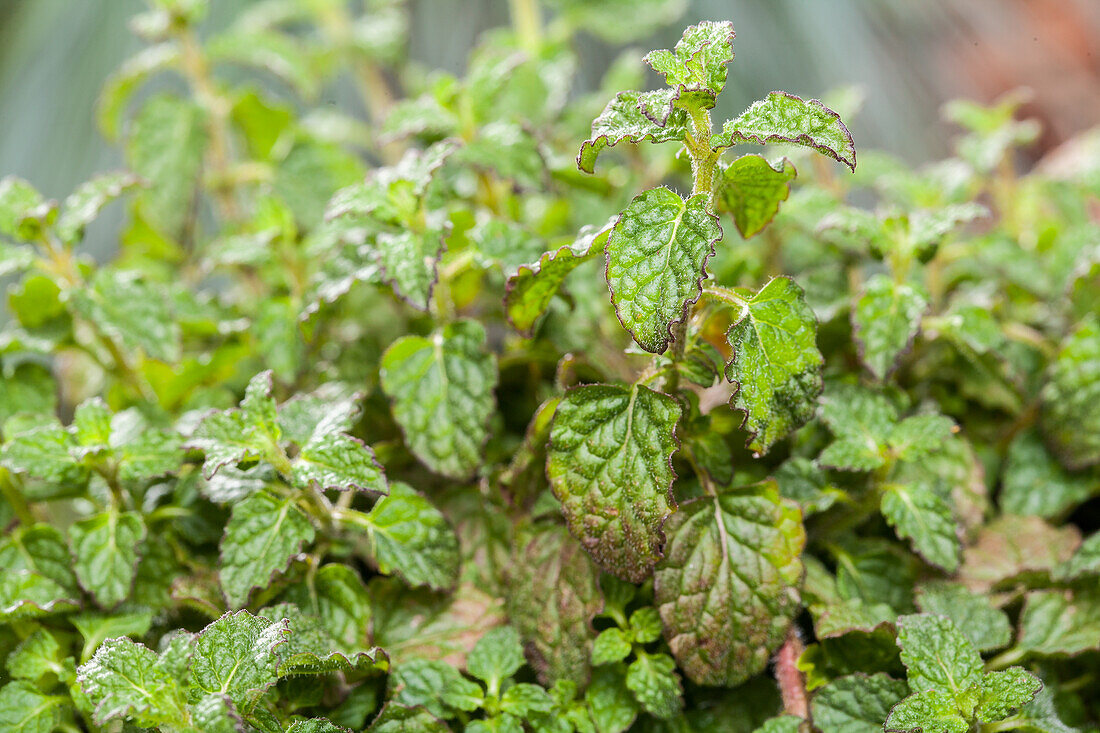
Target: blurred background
<point x="909" y="56"/>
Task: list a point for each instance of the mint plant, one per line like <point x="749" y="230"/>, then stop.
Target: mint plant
<point x="395" y="417"/>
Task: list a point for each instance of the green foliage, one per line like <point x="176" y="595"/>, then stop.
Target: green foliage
<point x="408" y="424"/>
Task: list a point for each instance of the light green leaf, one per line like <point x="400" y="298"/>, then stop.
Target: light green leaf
<point x="84" y="204"/>
<point x="133" y="310"/>
<point x="529" y="291"/>
<point x="1085" y="561"/>
<point x="1057" y="623"/>
<point x="698" y="62"/>
<point x="552" y="596"/>
<point x="727" y="588"/>
<point x="124" y="680"/>
<point x="44" y="452"/>
<point x="312" y="649"/>
<point x="856" y="703"/>
<point x="216" y="713"/>
<point x="609" y="463"/>
<point x="339" y="598"/>
<point x="930" y="711"/>
<point x="775" y="363"/>
<point x="750" y="190"/>
<point x="338" y="461"/>
<point x="781" y="724"/>
<point x="331" y="408"/>
<point x="165" y="148"/>
<point x="645" y="625"/>
<point x="623" y="121"/>
<point x="26" y="594"/>
<point x="973" y="614"/>
<point x="236" y="656"/>
<point x="42" y="549"/>
<point x="442" y="393"/>
<point x="523" y="699"/>
<point x="232" y="436"/>
<point x="918" y="437"/>
<point x="436" y="685"/>
<point x="611" y="705"/>
<point x="937" y="655"/>
<point x="496" y="656"/>
<point x="35" y="657"/>
<point x="1034" y="483"/>
<point x="409" y="260"/>
<point x="784" y="118"/>
<point x="1069" y="417"/>
<point x="1041" y="716"/>
<point x="653" y="680"/>
<point x="396" y="718"/>
<point x="98" y="627"/>
<point x="25" y="709"/>
<point x="612" y="645"/>
<point x="1004" y="692"/>
<point x="859" y="420"/>
<point x="105" y="548"/>
<point x="22" y="209"/>
<point x="263" y="535"/>
<point x="886" y="319"/>
<point x="124" y="81"/>
<point x="409" y="536"/>
<point x="917" y="513"/>
<point x="656" y="261"/>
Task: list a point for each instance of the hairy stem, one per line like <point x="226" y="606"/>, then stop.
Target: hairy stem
<point x="792" y="688"/>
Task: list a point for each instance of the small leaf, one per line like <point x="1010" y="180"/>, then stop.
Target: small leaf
<point x="1058" y="623"/>
<point x="859" y="420"/>
<point x="857" y="703"/>
<point x="236" y="656"/>
<point x="645" y="625"/>
<point x="105" y="548"/>
<point x="623" y="121"/>
<point x="339" y="598"/>
<point x="84" y="204"/>
<point x="216" y="713"/>
<point x="396" y="718"/>
<point x="263" y="534"/>
<point x="610" y="464"/>
<point x="338" y="461"/>
<point x="986" y="627"/>
<point x="612" y="645"/>
<point x="124" y="680"/>
<point x="1069" y="418"/>
<point x="698" y="62"/>
<point x="750" y="190"/>
<point x="496" y="656"/>
<point x="1004" y="692"/>
<point x="35" y="657"/>
<point x="25" y="709"/>
<point x="1033" y="482"/>
<point x="523" y="699"/>
<point x="311" y="648"/>
<point x="411" y="537"/>
<point x="727" y="588"/>
<point x="409" y="261"/>
<point x="40" y="548"/>
<point x="775" y="363"/>
<point x="886" y="319"/>
<point x="26" y="594"/>
<point x="919" y="514"/>
<point x="930" y="711"/>
<point x="236" y="435"/>
<point x="656" y="261"/>
<point x="20" y="205"/>
<point x="784" y="118"/>
<point x="44" y="452"/>
<point x="653" y="680"/>
<point x="532" y="287"/>
<point x="937" y="656"/>
<point x="437" y="686"/>
<point x="442" y="393"/>
<point x="920" y="436"/>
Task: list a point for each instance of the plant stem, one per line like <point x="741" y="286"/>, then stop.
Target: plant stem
<point x="15" y="499"/>
<point x="792" y="688"/>
<point x="527" y="22"/>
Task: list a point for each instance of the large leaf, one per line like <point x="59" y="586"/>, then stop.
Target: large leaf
<point x="236" y="656"/>
<point x="656" y="261"/>
<point x="856" y="703"/>
<point x="750" y="190"/>
<point x="919" y="514"/>
<point x="727" y="588"/>
<point x="886" y="318"/>
<point x="1057" y="623"/>
<point x="105" y="548"/>
<point x="784" y="118"/>
<point x="442" y="392"/>
<point x="409" y="536"/>
<point x="623" y="121"/>
<point x="1069" y="415"/>
<point x="775" y="363"/>
<point x="610" y="464"/>
<point x="338" y="461"/>
<point x="125" y="679"/>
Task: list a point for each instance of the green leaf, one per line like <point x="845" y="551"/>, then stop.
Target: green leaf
<point x="1057" y="623"/>
<point x="886" y="319"/>
<point x="26" y="594"/>
<point x="653" y="680"/>
<point x="409" y="260"/>
<point x="645" y="625"/>
<point x="311" y="648"/>
<point x="236" y="656"/>
<point x="21" y="209"/>
<point x="623" y="121"/>
<point x="610" y="464"/>
<point x="105" y="549"/>
<point x="216" y="713"/>
<point x="35" y="657"/>
<point x="98" y="627"/>
<point x="920" y="436"/>
<point x="973" y="614"/>
<point x="248" y="433"/>
<point x="784" y="118"/>
<point x="437" y="686"/>
<point x="339" y="598"/>
<point x="781" y="724"/>
<point x="529" y="291"/>
<point x="1070" y="421"/>
<point x="656" y="261"/>
<point x="396" y="718"/>
<point x="859" y="420"/>
<point x="612" y="645"/>
<point x="125" y="80"/>
<point x="338" y="461"/>
<point x="442" y="393"/>
<point x="124" y="680"/>
<point x="937" y="656"/>
<point x="917" y="513"/>
<point x="1004" y="692"/>
<point x="727" y="588"/>
<point x="44" y="452"/>
<point x="42" y="549"/>
<point x="25" y="709"/>
<point x="1034" y="483"/>
<point x="750" y="190"/>
<point x="1041" y="716"/>
<point x="165" y="148"/>
<point x="698" y="62"/>
<point x="1085" y="561"/>
<point x="523" y="699"/>
<point x="124" y="305"/>
<point x="610" y="704"/>
<point x="930" y="711"/>
<point x="264" y="533"/>
<point x="409" y="536"/>
<point x="775" y="363"/>
<point x="496" y="656"/>
<point x="84" y="204"/>
<point x="856" y="703"/>
<point x="552" y="596"/>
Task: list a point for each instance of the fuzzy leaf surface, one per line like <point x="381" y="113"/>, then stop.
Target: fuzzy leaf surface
<point x="886" y="318"/>
<point x="409" y="536"/>
<point x="623" y="121"/>
<point x="105" y="548"/>
<point x="751" y="190"/>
